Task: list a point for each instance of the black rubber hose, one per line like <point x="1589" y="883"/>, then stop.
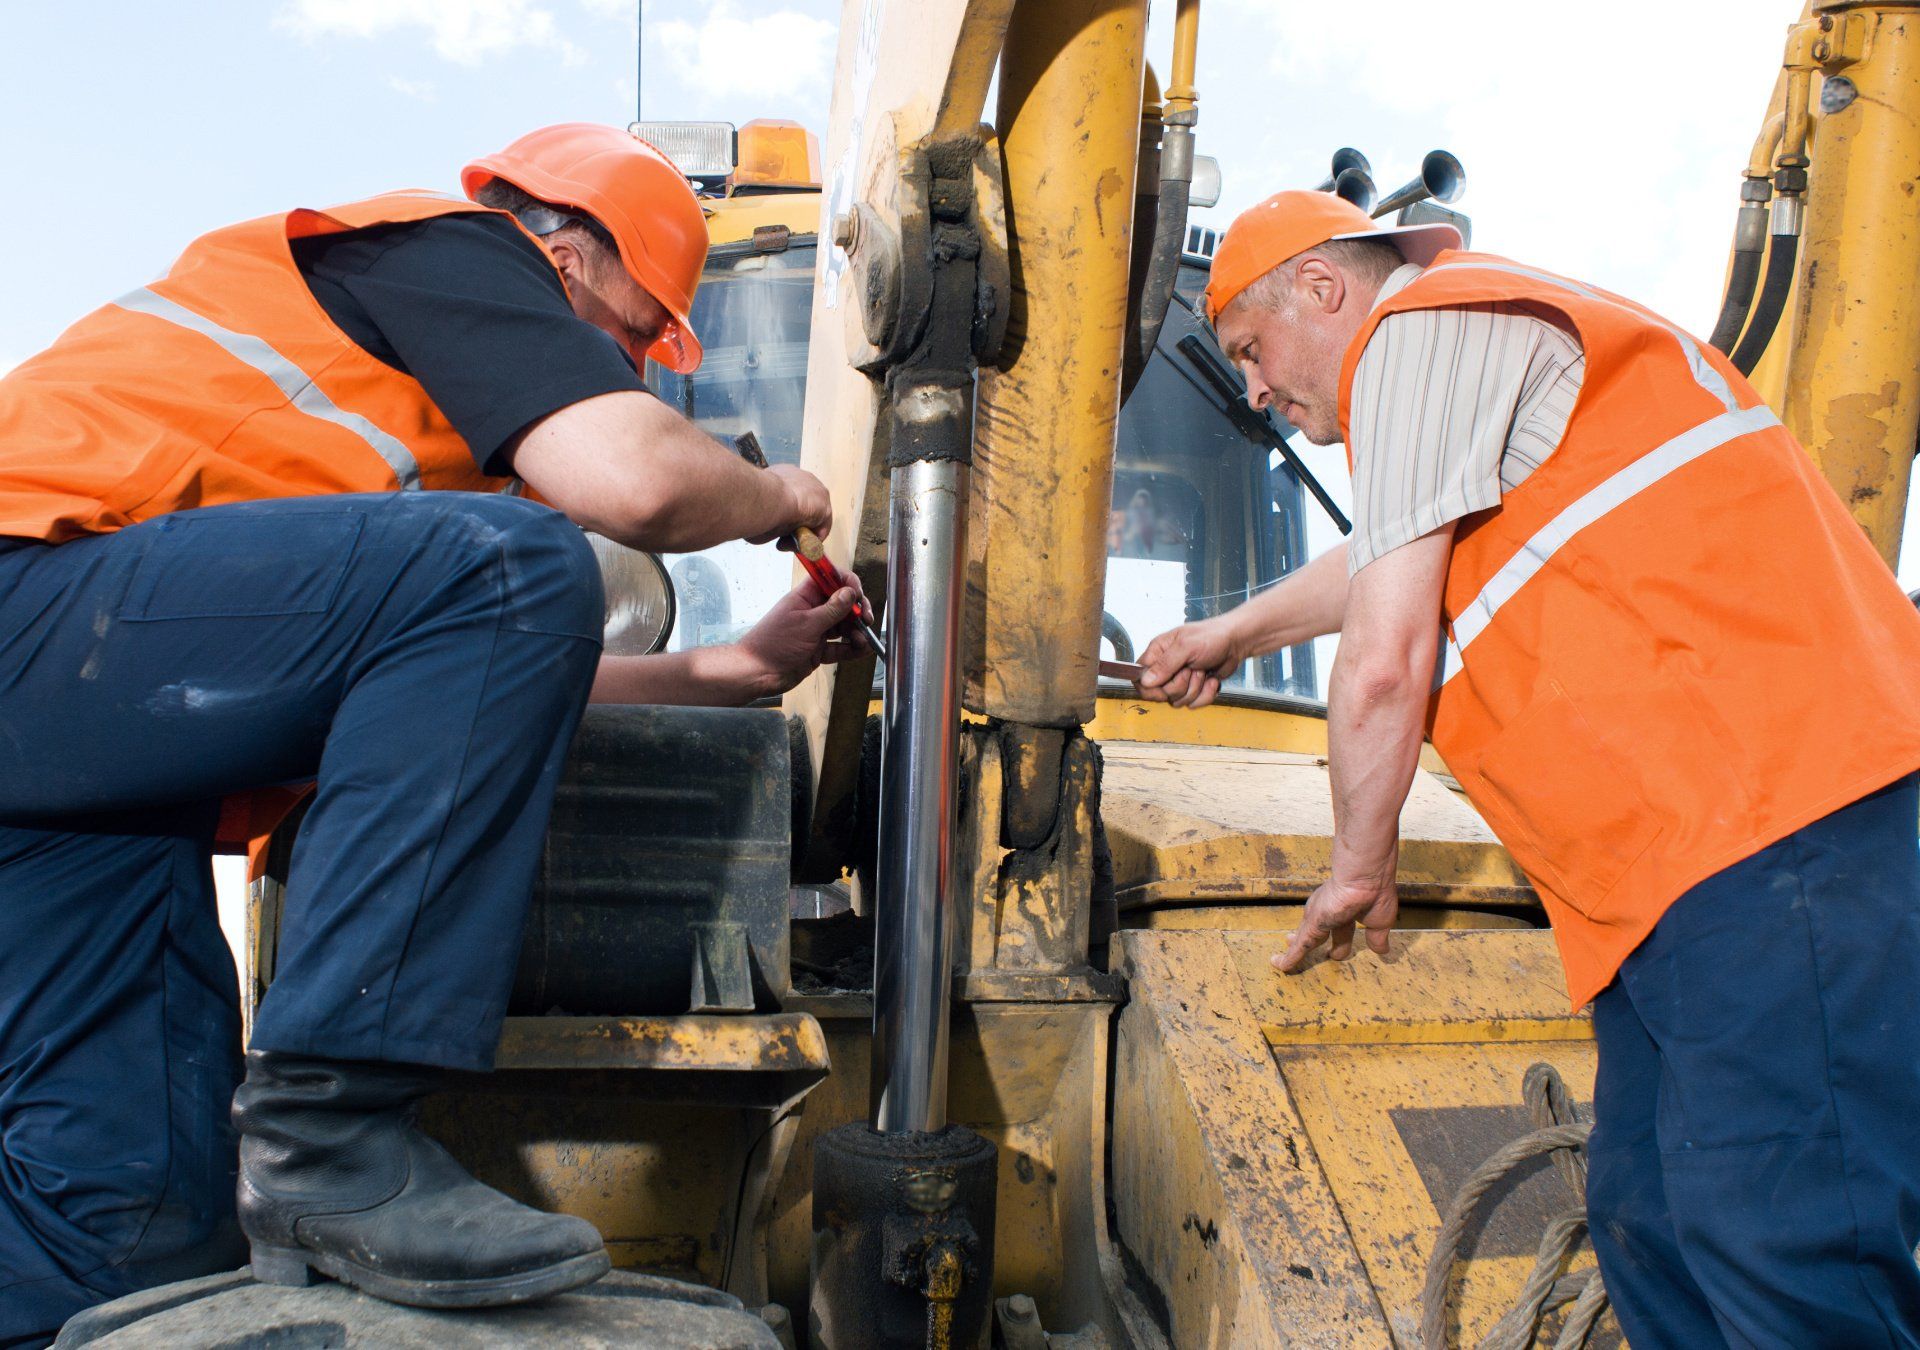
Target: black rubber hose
<point x="1739" y="298"/>
<point x="1773" y="302"/>
<point x="1147" y="307"/>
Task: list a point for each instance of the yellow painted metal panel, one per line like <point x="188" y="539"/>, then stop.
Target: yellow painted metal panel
<point x="1853" y="377"/>
<point x="1069" y="122"/>
<point x="1220" y="823"/>
<point x="1283" y="1146"/>
<point x="1398" y="1128"/>
<point x="734" y="219"/>
<point x="1432" y="987"/>
<point x="1219" y="1198"/>
<point x="1130" y="719"/>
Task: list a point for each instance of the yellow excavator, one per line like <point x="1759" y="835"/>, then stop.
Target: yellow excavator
<point x="933" y="1006"/>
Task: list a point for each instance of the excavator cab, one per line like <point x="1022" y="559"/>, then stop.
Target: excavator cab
<point x="1206" y="509"/>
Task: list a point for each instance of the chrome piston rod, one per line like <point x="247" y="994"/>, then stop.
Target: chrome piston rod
<point x="914" y="923"/>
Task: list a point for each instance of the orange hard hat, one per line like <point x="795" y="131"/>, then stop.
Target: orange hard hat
<point x="1289" y="223"/>
<point x="636" y="193"/>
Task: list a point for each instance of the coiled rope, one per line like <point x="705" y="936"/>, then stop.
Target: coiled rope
<point x="1561" y="1133"/>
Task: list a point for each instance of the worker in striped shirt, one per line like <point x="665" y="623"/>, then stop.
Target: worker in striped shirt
<point x="1678" y="682"/>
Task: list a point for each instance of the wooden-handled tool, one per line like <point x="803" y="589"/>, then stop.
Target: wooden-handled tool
<point x="812" y="553"/>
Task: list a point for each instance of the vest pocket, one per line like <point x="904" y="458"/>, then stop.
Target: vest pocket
<point x="1569" y="817"/>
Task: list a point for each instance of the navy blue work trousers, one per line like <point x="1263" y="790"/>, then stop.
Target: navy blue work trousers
<point x="426" y="657"/>
<point x="1754" y="1173"/>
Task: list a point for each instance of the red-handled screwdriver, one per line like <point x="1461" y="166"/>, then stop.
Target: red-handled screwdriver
<point x="812" y="553"/>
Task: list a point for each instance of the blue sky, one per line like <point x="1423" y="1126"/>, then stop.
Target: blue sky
<point x="1602" y="141"/>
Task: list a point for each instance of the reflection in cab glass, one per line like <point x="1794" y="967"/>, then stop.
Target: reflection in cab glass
<point x="1203" y="514"/>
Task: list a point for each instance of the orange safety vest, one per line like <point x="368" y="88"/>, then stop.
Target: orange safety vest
<point x="1670" y="646"/>
<point x="223" y="382"/>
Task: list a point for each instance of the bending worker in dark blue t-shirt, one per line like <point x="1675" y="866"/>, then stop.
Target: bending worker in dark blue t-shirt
<point x="260" y="523"/>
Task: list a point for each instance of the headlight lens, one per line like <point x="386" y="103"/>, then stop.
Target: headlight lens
<point x="640" y="605"/>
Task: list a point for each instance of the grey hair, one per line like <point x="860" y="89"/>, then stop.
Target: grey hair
<point x="1367" y="261"/>
<point x="543" y="218"/>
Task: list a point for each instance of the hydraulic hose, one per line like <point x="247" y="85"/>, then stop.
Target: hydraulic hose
<point x="1749" y="247"/>
<point x="1163" y="261"/>
<point x="1148" y="300"/>
<point x="1773" y="302"/>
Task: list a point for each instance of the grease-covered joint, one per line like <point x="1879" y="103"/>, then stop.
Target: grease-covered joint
<point x="903" y="1229"/>
<point x="930" y="390"/>
<point x="931" y="416"/>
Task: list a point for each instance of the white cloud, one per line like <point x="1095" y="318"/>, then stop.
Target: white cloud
<point x="769" y="55"/>
<point x="1635" y="190"/>
<point x="465" y="32"/>
<point x="416" y="89"/>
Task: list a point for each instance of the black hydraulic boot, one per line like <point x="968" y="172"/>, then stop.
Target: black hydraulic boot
<point x="337" y="1179"/>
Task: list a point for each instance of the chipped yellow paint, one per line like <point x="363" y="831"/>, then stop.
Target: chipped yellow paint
<point x="1348" y="1098"/>
<point x="1281" y="918"/>
<point x="1266" y="1128"/>
<point x="1045" y="412"/>
<point x="1431" y="987"/>
<point x="778" y="1042"/>
<point x="1852" y="381"/>
<point x="1190" y="823"/>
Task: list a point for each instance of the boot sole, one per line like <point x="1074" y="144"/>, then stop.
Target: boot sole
<point x="295" y="1266"/>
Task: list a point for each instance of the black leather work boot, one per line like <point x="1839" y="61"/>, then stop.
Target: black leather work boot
<point x="337" y="1179"/>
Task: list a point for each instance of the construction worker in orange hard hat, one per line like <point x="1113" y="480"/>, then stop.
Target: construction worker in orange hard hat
<point x="309" y="509"/>
<point x="1659" y="656"/>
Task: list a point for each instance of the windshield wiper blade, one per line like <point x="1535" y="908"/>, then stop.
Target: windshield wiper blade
<point x="1257" y="426"/>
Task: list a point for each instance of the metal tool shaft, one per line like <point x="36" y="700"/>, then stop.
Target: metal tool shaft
<point x="913" y="958"/>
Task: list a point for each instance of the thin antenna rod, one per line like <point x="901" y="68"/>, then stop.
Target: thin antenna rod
<point x="639" y="58"/>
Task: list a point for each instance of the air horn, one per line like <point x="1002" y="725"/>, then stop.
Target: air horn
<point x="1351" y="179"/>
<point x="1440" y="178"/>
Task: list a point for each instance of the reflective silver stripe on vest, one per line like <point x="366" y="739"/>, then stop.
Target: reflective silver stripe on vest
<point x="1598" y="500"/>
<point x="295" y="383"/>
<point x="1602" y="498"/>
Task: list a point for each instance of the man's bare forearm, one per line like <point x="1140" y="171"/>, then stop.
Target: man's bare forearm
<point x="1377" y="702"/>
<point x="1376" y="720"/>
<point x="711" y="677"/>
<point x="1310" y="603"/>
<point x="626" y="466"/>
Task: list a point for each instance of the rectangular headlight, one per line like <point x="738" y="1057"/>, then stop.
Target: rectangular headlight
<point x="697" y="149"/>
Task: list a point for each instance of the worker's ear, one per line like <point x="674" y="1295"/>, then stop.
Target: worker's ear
<point x="1319" y="286"/>
<point x="568" y="256"/>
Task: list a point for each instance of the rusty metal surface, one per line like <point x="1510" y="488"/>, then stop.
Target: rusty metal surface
<point x="1222" y="823"/>
<point x="1283" y="1147"/>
